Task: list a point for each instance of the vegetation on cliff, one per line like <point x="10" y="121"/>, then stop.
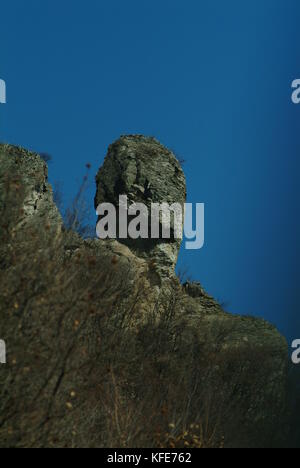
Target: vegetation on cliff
<point x="104" y="350"/>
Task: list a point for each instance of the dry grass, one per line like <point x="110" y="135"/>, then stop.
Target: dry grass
<point x="79" y="376"/>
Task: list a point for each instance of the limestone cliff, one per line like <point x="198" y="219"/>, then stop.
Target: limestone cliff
<point x="94" y="325"/>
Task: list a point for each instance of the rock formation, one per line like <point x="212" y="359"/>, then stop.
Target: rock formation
<point x="78" y="315"/>
<point x="147" y="173"/>
<point x="26" y="170"/>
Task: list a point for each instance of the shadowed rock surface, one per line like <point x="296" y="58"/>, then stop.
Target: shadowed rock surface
<point x="105" y="348"/>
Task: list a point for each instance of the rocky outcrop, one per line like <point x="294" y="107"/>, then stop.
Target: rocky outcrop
<point x="146" y="172"/>
<point x="68" y="304"/>
<point x="24" y="177"/>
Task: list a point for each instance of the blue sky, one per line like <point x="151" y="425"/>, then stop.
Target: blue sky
<point x="211" y="80"/>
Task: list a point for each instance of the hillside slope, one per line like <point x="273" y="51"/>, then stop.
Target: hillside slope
<point x="105" y="347"/>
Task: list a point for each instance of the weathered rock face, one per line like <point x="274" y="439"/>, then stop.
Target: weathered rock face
<point x="24" y="176"/>
<point x="79" y="316"/>
<point x="146" y="172"/>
